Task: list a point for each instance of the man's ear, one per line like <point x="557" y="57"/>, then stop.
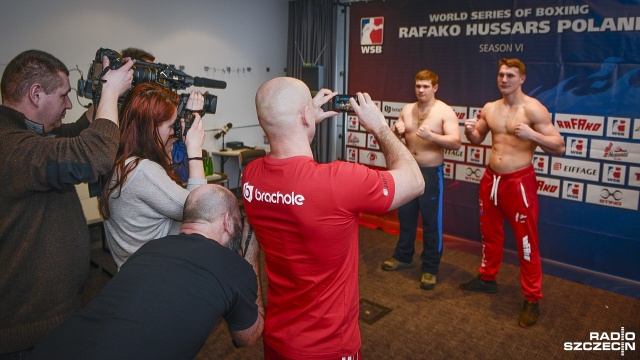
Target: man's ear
<point x="303" y="117"/>
<point x="228" y="222"/>
<point x="36" y="92"/>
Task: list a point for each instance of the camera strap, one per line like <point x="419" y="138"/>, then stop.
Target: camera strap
<point x="189" y="112"/>
<point x="246" y="242"/>
<point x="99" y="89"/>
<point x="104" y="71"/>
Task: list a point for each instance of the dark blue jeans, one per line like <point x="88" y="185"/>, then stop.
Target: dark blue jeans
<point x="429" y="205"/>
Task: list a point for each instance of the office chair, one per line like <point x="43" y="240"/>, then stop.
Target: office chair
<point x="245" y="157"/>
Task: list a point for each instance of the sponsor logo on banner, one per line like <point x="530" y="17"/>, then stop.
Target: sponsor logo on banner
<point x="371" y="35"/>
<point x="392" y="109"/>
<point x="455" y="155"/>
<point x="448" y="170"/>
<point x="352" y="154"/>
<point x="352" y="122"/>
<point x="612" y="196"/>
<point x="615" y="150"/>
<point x="580" y="124"/>
<point x="541" y="164"/>
<point x="475" y="155"/>
<point x="619" y="127"/>
<point x="636" y="129"/>
<point x="356" y="139"/>
<point x="461" y="113"/>
<point x="474" y="113"/>
<point x="469" y="173"/>
<point x="577" y="147"/>
<point x="372" y="143"/>
<point x="634" y="176"/>
<point x="372" y="158"/>
<point x="572" y="190"/>
<point x="548" y="187"/>
<point x="575" y="169"/>
<point x="614" y="174"/>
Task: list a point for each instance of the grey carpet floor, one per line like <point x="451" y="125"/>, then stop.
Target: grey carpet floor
<point x="447" y="323"/>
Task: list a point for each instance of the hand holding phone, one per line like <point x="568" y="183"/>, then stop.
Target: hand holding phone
<point x="340" y="103"/>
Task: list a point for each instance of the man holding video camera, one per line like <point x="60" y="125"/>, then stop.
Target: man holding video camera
<point x="44" y="239"/>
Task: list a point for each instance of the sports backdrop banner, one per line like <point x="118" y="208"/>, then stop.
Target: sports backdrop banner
<point x="583" y="64"/>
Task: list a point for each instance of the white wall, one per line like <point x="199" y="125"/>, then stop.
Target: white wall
<point x="238" y="34"/>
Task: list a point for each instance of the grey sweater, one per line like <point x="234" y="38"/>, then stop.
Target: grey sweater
<point x="149" y="207"/>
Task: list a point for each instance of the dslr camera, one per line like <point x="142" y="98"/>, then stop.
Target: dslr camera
<point x="162" y="74"/>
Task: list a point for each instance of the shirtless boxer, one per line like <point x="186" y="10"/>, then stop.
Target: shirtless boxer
<point x="428" y="126"/>
<point x="518" y="124"/>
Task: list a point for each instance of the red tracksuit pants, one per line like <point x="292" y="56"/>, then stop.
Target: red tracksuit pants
<point x="514" y="196"/>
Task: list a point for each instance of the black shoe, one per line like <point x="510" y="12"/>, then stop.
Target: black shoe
<point x="529" y="314"/>
<point x="479" y="285"/>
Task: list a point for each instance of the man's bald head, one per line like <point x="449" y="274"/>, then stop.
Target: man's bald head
<point x="280" y="101"/>
<point x="208" y="202"/>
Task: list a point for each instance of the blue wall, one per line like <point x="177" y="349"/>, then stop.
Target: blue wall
<point x="583" y="62"/>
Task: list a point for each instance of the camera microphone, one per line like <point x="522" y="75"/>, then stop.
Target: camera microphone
<point x="224" y="130"/>
<point x="209" y="83"/>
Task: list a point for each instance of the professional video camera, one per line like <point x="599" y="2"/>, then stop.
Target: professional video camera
<point x="162" y="74"/>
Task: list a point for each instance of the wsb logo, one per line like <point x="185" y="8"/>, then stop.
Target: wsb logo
<point x="371" y="34"/>
<point x="371" y="49"/>
<point x="606" y="341"/>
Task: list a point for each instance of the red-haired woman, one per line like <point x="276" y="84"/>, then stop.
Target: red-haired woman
<point x="141" y="197"/>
